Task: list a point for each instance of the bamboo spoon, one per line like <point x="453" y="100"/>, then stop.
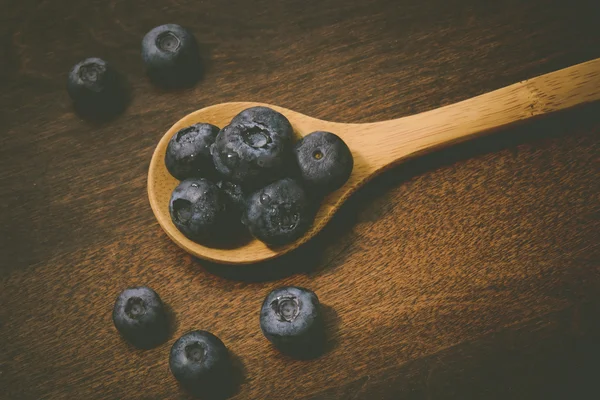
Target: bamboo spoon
<point x="380" y="145"/>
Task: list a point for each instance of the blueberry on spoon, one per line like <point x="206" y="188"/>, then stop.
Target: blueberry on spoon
<point x="97" y="90"/>
<point x="171" y="56"/>
<point x="188" y="152"/>
<point x="140" y="317"/>
<point x="279" y="213"/>
<point x="254" y="148"/>
<point x="291" y="319"/>
<point x="324" y="160"/>
<point x="201" y="363"/>
<point x="198" y="210"/>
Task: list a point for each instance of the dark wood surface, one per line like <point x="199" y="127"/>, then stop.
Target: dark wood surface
<point x="470" y="273"/>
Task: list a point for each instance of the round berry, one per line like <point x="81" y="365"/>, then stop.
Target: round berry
<point x="291" y="319"/>
<point x="188" y="152"/>
<point x="324" y="160"/>
<point x="200" y="362"/>
<point x="254" y="149"/>
<point x="95" y="87"/>
<point x="197" y="209"/>
<point x="139" y="316"/>
<point x="279" y="213"/>
<point x="171" y="56"/>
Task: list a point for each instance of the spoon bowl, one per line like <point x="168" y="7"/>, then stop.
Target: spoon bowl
<point x="378" y="146"/>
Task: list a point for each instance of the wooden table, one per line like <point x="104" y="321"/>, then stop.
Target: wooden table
<point x="471" y="273"/>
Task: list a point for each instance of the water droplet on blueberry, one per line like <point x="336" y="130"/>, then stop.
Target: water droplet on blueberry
<point x="264" y="198"/>
<point x="232" y="158"/>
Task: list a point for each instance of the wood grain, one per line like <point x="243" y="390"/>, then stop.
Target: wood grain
<point x="470" y="273"/>
<point x="378" y="146"/>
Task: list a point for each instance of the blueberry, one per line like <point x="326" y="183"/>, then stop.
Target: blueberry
<point x="171" y="56"/>
<point x="97" y="90"/>
<point x="291" y="318"/>
<point x="140" y="317"/>
<point x="324" y="160"/>
<point x="200" y="362"/>
<point x="235" y="195"/>
<point x="198" y="209"/>
<point x="279" y="213"/>
<point x="254" y="148"/>
<point x="188" y="153"/>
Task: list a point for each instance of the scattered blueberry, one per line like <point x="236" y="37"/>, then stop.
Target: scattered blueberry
<point x="201" y="363"/>
<point x="97" y="90"/>
<point x="188" y="153"/>
<point x="324" y="160"/>
<point x="254" y="149"/>
<point x="197" y="209"/>
<point x="171" y="56"/>
<point x="140" y="317"/>
<point x="235" y="195"/>
<point x="279" y="213"/>
<point x="291" y="319"/>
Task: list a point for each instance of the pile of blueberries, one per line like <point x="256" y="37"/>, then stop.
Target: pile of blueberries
<point x="290" y="318"/>
<point x="252" y="171"/>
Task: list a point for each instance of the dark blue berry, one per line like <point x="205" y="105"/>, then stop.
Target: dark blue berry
<point x="254" y="149"/>
<point x="140" y="317"/>
<point x="279" y="213"/>
<point x="97" y="90"/>
<point x="188" y="153"/>
<point x="201" y="363"/>
<point x="198" y="209"/>
<point x="291" y="319"/>
<point x="171" y="56"/>
<point x="324" y="160"/>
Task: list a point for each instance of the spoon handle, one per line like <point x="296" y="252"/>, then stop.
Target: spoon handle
<point x="383" y="144"/>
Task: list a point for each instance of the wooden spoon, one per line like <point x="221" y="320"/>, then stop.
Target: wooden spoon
<point x="380" y="145"/>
